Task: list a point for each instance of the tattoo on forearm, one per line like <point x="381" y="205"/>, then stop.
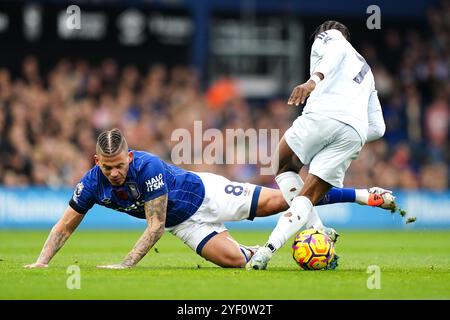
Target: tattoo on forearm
<point x="155" y="212"/>
<point x="55" y="241"/>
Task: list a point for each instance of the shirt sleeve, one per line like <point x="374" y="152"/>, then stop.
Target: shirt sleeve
<point x="153" y="179"/>
<point x="333" y="52"/>
<point x="377" y="127"/>
<point x="83" y="197"/>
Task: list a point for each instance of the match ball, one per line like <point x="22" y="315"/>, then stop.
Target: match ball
<point x="312" y="249"/>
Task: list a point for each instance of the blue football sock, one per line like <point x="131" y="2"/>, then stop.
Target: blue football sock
<point x="338" y="195"/>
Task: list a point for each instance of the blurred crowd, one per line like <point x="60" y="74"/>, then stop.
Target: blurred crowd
<point x="412" y="74"/>
<point x="49" y="122"/>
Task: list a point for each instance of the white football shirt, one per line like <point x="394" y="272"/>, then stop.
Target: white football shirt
<point x="348" y="84"/>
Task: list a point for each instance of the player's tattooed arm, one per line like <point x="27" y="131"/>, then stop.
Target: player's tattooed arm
<point x="155" y="213"/>
<point x="57" y="237"/>
<point x="55" y="241"/>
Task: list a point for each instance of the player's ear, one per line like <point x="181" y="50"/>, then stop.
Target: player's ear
<point x="96" y="159"/>
<point x="130" y="156"/>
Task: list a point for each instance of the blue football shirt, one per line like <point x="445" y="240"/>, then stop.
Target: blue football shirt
<point x="148" y="178"/>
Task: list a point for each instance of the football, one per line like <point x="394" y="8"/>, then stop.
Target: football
<point x="312" y="250"/>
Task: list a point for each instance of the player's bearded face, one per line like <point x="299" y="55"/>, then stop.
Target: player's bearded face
<point x="115" y="168"/>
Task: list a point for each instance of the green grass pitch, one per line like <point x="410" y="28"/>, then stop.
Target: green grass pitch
<point x="413" y="264"/>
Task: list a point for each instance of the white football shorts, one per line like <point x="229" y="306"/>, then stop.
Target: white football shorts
<point x="224" y="201"/>
<point x="326" y="144"/>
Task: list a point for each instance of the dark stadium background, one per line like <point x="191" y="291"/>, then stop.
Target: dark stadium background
<point x="57" y="94"/>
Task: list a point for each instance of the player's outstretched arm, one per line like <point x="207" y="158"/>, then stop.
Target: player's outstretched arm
<point x="60" y="232"/>
<point x="155" y="213"/>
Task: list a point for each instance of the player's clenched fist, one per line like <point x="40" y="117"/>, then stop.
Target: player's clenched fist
<point x="301" y="92"/>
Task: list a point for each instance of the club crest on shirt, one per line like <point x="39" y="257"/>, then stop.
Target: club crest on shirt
<point x="154" y="183"/>
<point x="78" y="189"/>
<point x="133" y="189"/>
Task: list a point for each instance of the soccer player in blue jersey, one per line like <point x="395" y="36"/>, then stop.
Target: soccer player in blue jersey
<point x="192" y="206"/>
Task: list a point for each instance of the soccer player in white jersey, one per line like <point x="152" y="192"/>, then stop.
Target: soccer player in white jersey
<point x="342" y="114"/>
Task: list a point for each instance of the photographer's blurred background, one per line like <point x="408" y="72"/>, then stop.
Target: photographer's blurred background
<point x="150" y="67"/>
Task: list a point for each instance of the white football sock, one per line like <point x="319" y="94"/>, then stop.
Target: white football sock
<point x="290" y="185"/>
<point x="314" y="220"/>
<point x="290" y="222"/>
<point x="362" y="196"/>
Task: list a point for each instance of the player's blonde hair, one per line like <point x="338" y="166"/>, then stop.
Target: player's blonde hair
<point x="111" y="142"/>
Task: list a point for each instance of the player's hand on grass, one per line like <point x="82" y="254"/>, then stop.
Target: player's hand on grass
<point x="114" y="266"/>
<point x="301" y="92"/>
<point x="36" y="265"/>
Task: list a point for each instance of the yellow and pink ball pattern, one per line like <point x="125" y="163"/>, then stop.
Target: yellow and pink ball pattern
<point x="312" y="250"/>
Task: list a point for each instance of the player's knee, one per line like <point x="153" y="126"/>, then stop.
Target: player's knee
<point x="279" y="165"/>
<point x="275" y="166"/>
<point x="279" y="168"/>
<point x="297" y="165"/>
<point x="291" y="163"/>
